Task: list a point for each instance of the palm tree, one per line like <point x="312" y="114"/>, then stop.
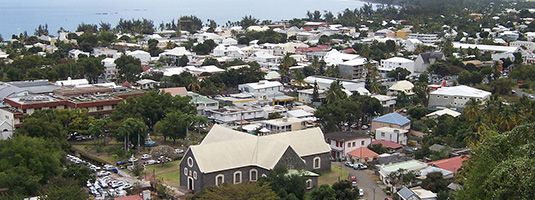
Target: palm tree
<point x="195" y="85"/>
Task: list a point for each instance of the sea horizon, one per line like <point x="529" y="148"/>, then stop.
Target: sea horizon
<point x="20" y="16"/>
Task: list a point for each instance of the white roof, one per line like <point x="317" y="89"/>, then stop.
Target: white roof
<point x="398" y="60"/>
<point x="263" y="84"/>
<point x="445" y="111"/>
<point x="211" y="69"/>
<point x="145" y="81"/>
<point x="138" y="52"/>
<point x="299" y="113"/>
<point x="423" y="193"/>
<point x="72" y="82"/>
<point x="224" y="148"/>
<point x="410" y="165"/>
<point x="272" y="75"/>
<point x="173" y="71"/>
<point x="402" y="86"/>
<point x="285" y="121"/>
<point x="461" y="90"/>
<point x="481" y="47"/>
<point x="177" y="51"/>
<point x="356" y="62"/>
<point x="334" y="57"/>
<point x="381" y="97"/>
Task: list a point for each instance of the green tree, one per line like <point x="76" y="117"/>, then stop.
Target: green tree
<point x="183" y="61"/>
<point x="27" y="163"/>
<point x="65" y="192"/>
<point x="87" y="41"/>
<point x="324" y="192"/>
<point x="285" y="185"/>
<point x="501" y="167"/>
<point x="244" y="191"/>
<point x="153" y="47"/>
<point x="129" y="68"/>
<point x="315" y="93"/>
<point x="175" y="125"/>
<point x="399" y="73"/>
<point x="92" y="68"/>
<point x="133" y="130"/>
<point x="435" y="182"/>
<point x="344" y="190"/>
<point x="248" y="21"/>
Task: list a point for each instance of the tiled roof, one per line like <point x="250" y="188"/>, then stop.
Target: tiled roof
<point x="363" y="152"/>
<point x="387" y="144"/>
<point x="450" y="164"/>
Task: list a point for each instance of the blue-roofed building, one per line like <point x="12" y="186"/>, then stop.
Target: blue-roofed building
<point x="392" y="120"/>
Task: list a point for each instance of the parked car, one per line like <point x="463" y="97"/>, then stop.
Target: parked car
<point x="179" y="151"/>
<point x="150" y="143"/>
<point x="348" y="163"/>
<point x="103" y="173"/>
<point x="120" y="162"/>
<point x="361" y="192"/>
<point x="359" y="166"/>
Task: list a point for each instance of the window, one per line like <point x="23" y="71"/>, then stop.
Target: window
<point x="185" y="171"/>
<point x="382" y="134"/>
<point x="195" y="175"/>
<point x="362" y="143"/>
<point x="354" y="144"/>
<point x="190" y="162"/>
<point x="237" y="177"/>
<point x="219" y="179"/>
<point x="309" y="184"/>
<point x="253" y="175"/>
<point x="348" y="145"/>
<point x="100" y="107"/>
<point x="317" y="163"/>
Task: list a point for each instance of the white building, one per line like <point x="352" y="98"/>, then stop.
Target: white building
<point x="262" y="89"/>
<point x="425" y="38"/>
<point x="283" y="124"/>
<point x="75" y="53"/>
<point x="110" y="68"/>
<point x="356" y="68"/>
<point x="224" y="50"/>
<point x="455" y="97"/>
<point x="176" y="53"/>
<point x="386" y="101"/>
<point x="236" y="115"/>
<point x="143" y="56"/>
<point x="305" y="95"/>
<point x="498" y="52"/>
<point x="391" y="64"/>
<point x="392" y="134"/>
<point x="403" y="86"/>
<point x="324" y="83"/>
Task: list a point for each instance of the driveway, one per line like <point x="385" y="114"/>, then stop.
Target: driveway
<point x="367" y="181"/>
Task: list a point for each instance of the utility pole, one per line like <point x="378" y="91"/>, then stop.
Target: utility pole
<point x="374" y="193"/>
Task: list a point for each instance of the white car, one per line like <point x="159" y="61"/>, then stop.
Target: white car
<point x="145" y="156"/>
<point x="103" y="173"/>
<point x="150" y="162"/>
<point x="108" y="167"/>
<point x="361" y="192"/>
<point x="179" y="151"/>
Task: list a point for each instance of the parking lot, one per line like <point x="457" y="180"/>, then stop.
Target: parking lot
<point x="108" y="182"/>
<point x="366" y="180"/>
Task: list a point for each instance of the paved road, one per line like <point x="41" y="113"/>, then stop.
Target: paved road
<point x="366" y="181"/>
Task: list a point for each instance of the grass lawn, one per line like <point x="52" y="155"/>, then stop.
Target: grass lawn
<point x="336" y="173"/>
<point x="167" y="172"/>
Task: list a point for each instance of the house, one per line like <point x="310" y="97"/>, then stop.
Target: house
<point x="143" y="56"/>
<point x="391" y="64"/>
<point x="224" y="50"/>
<point x="392" y="134"/>
<point x="324" y="83"/>
<point x="355" y="69"/>
<point x="408" y="166"/>
<point x="393" y="120"/>
<point x="444" y="111"/>
<point x="241" y="157"/>
<point x="6" y="129"/>
<point x="283" y="125"/>
<point x="106" y="52"/>
<point x="424" y="60"/>
<point x="402" y="86"/>
<point x="416" y="193"/>
<point x="305" y="96"/>
<point x="175" y="91"/>
<point x="453" y="164"/>
<point x="422" y="174"/>
<point x="110" y="68"/>
<point x="202" y="103"/>
<point x="425" y="38"/>
<point x="386" y="101"/>
<point x="385" y="33"/>
<point x="272" y="76"/>
<point x="146" y="84"/>
<point x="344" y="142"/>
<point x="392" y="146"/>
<point x="75" y="54"/>
<point x="262" y="89"/>
<point x="455" y="97"/>
<point x="236" y="115"/>
<point x="334" y="57"/>
<point x="411" y="44"/>
<point x="176" y="53"/>
<point x="363" y="155"/>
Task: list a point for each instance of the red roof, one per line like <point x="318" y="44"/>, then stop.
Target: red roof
<point x="450" y="164"/>
<point x="318" y="48"/>
<point x="387" y="144"/>
<point x="131" y="197"/>
<point x="363" y="152"/>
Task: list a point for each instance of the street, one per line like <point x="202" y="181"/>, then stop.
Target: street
<point x="520" y="93"/>
<point x="366" y="181"/>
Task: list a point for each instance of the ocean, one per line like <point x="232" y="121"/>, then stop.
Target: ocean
<point x="17" y="16"/>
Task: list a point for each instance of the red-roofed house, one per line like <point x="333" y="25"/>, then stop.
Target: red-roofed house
<point x="363" y="154"/>
<point x="450" y="164"/>
<point x="387" y="144"/>
<point x="174" y="91"/>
